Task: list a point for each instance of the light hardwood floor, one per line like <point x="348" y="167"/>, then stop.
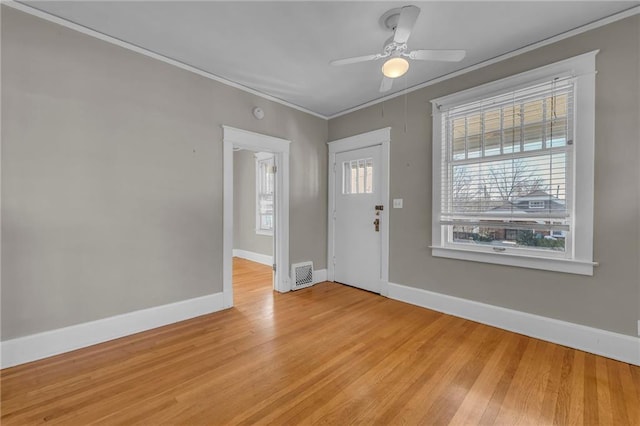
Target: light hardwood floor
<point x="328" y="354"/>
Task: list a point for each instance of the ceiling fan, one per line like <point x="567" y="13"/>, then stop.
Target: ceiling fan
<point x="401" y="22"/>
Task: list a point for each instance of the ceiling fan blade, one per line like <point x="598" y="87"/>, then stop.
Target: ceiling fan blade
<point x="437" y="55"/>
<point x="356" y="59"/>
<point x="406" y="21"/>
<point x="385" y="86"/>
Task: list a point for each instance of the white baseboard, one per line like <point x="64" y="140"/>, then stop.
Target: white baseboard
<point x="593" y="340"/>
<point x="54" y="342"/>
<point x="319" y="275"/>
<point x="265" y="259"/>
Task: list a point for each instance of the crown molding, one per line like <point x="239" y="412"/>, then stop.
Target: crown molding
<point x="579" y="30"/>
<point x="146" y="52"/>
<point x="101" y="36"/>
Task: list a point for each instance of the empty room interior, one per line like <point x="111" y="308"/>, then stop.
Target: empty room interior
<point x="252" y="211"/>
<point x="320" y="212"/>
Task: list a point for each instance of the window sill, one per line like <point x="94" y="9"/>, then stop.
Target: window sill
<point x="260" y="232"/>
<point x="568" y="266"/>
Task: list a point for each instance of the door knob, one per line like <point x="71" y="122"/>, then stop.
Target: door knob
<point x="376" y="223"/>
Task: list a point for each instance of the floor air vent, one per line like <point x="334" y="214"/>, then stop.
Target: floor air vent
<point x="302" y="274"/>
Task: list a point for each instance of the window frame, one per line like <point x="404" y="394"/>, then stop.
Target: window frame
<point x="261" y="157"/>
<point x="579" y="259"/>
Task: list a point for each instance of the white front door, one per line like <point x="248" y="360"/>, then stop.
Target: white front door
<point x="357" y="242"/>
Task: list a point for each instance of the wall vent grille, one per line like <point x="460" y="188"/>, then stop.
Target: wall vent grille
<point x="302" y="274"/>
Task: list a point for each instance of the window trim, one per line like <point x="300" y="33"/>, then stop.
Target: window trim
<point x="260" y="157"/>
<point x="582" y="69"/>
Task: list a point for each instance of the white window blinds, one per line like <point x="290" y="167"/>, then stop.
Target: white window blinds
<point x="507" y="161"/>
<point x="513" y="169"/>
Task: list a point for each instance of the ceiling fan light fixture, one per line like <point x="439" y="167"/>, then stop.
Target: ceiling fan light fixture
<point x="395" y="67"/>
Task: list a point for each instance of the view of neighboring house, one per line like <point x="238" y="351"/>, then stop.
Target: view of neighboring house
<point x="533" y="203"/>
<point x="528" y="210"/>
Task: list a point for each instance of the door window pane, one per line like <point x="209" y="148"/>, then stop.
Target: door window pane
<point x="357" y="176"/>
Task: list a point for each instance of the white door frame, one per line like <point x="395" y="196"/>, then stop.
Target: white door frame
<point x="237" y="138"/>
<point x="376" y="137"/>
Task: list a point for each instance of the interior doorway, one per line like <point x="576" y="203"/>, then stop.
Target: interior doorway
<point x="253" y="217"/>
<point x="236" y="140"/>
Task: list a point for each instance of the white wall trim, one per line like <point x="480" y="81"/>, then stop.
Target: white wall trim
<point x="244" y="139"/>
<point x="264" y="259"/>
<point x="588" y="27"/>
<point x="319" y="276"/>
<point x="373" y="138"/>
<point x="42" y="345"/>
<point x="568" y="266"/>
<point x="104" y="37"/>
<point x="362" y="140"/>
<point x="593" y="340"/>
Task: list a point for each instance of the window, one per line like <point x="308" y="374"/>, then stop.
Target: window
<point x="513" y="170"/>
<point x="358" y="176"/>
<point x="264" y="193"/>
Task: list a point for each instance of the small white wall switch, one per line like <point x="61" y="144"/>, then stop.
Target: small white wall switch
<point x="397" y="203"/>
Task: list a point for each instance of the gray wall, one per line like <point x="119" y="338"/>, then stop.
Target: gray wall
<point x="112" y="182"/>
<point x="112" y="178"/>
<point x="610" y="299"/>
<point x="244" y="206"/>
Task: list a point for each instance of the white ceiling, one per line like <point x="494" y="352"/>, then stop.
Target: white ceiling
<point x="283" y="49"/>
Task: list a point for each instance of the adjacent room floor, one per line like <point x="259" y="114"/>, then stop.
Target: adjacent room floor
<point x="327" y="354"/>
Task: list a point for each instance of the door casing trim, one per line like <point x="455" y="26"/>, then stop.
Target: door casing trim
<point x="380" y="137"/>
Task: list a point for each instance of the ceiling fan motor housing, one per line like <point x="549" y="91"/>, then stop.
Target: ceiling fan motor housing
<point x="389" y="21"/>
<point x="391" y="47"/>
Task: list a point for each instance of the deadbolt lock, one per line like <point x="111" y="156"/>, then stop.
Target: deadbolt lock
<point x="376" y="223"/>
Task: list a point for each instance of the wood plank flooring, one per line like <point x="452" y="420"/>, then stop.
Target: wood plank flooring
<point x="329" y="354"/>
